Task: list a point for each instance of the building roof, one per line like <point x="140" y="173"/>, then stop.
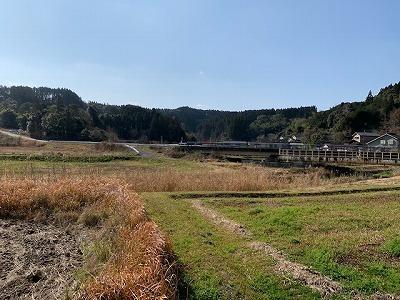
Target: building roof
<point x="363" y="133"/>
<point x="391" y="135"/>
<point x="233" y="142"/>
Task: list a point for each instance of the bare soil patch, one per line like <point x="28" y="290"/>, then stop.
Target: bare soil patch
<point x="37" y="261"/>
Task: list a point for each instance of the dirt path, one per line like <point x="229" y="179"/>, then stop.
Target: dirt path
<point x="37" y="260"/>
<point x="220" y="220"/>
<point x="313" y="279"/>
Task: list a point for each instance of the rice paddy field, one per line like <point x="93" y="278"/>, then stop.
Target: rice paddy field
<point x="124" y="226"/>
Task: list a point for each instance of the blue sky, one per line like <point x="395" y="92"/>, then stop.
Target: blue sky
<point x="219" y="54"/>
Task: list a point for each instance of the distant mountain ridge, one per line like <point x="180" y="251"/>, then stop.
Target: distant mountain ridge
<point x="61" y="114"/>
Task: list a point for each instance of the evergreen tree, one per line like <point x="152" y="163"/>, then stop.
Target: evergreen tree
<point x="370" y="97"/>
<point x="8" y="119"/>
<point x="34" y="126"/>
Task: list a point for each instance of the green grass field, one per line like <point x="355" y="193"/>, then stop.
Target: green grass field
<point x="84" y="160"/>
<point x="353" y="239"/>
<point x="216" y="264"/>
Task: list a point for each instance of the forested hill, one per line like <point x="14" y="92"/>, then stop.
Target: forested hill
<point x="264" y="125"/>
<point x="380" y="113"/>
<point x="61" y="114"/>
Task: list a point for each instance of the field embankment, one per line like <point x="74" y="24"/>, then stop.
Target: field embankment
<point x="174" y="175"/>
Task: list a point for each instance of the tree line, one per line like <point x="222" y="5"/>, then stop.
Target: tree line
<point x="61" y="114"/>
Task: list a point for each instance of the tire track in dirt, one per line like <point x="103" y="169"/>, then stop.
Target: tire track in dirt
<point x="313" y="279"/>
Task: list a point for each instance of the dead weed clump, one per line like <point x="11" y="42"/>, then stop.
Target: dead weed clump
<point x="139" y="263"/>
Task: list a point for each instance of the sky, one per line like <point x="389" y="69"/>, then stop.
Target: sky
<point x="208" y="54"/>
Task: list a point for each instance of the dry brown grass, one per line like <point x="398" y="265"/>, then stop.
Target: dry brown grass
<point x="140" y="265"/>
<point x="244" y="178"/>
<point x="8" y="141"/>
<point x="209" y="177"/>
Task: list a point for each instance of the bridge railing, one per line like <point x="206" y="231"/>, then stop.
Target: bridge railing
<point x="364" y="155"/>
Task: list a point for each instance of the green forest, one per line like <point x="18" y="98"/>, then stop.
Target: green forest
<point x="60" y="114"/>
